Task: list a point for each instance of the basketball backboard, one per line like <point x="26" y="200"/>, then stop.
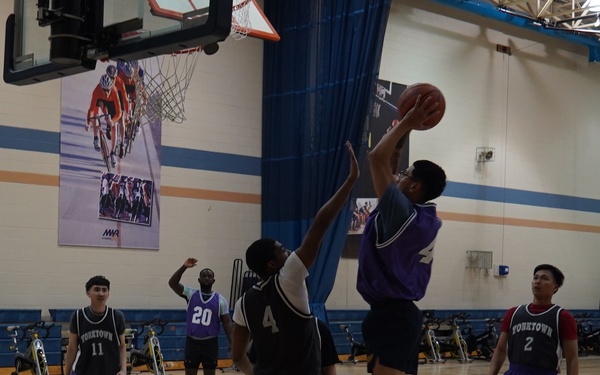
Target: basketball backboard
<point x="48" y="39"/>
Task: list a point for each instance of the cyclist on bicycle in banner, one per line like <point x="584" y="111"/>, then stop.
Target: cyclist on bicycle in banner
<point x="127" y="74"/>
<point x="111" y="70"/>
<point x="106" y="98"/>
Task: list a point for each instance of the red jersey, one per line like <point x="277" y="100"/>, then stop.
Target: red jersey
<point x="128" y="85"/>
<point x="120" y="86"/>
<point x="111" y="103"/>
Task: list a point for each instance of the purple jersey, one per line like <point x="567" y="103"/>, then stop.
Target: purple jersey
<point x="203" y="318"/>
<point x="400" y="267"/>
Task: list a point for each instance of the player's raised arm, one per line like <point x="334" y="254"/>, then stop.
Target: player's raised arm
<point x="308" y="250"/>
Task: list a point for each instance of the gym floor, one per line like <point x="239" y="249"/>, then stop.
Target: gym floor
<point x="587" y="366"/>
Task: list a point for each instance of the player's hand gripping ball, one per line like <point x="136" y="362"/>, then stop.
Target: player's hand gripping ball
<point x="409" y="97"/>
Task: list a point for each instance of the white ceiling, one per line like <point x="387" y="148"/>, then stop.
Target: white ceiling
<point x="579" y="16"/>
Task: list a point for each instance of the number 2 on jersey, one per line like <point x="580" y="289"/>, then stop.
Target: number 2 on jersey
<point x="269" y="320"/>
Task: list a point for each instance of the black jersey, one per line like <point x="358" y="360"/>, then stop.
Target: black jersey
<point x="285" y="339"/>
<point x="98" y="335"/>
<point x="534" y="339"/>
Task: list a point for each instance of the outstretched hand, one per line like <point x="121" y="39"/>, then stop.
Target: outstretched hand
<point x="354" y="170"/>
<point x="421" y="112"/>
<point x="190" y="262"/>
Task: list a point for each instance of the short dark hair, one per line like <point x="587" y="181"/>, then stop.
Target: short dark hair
<point x="432" y="178"/>
<point x="97" y="280"/>
<point x="206" y="269"/>
<point x="259" y="254"/>
<point x="556" y="273"/>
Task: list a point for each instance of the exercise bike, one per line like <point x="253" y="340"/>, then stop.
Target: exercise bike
<point x="34" y="358"/>
<point x="484" y="343"/>
<point x="150" y="355"/>
<point x="588" y="336"/>
<point x="356" y="348"/>
<point x="429" y="344"/>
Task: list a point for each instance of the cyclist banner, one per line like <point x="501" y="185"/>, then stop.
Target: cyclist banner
<point x="109" y="160"/>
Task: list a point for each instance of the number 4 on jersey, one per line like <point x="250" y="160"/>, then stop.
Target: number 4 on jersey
<point x="268" y="320"/>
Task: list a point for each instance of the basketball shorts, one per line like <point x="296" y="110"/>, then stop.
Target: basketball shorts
<point x="515" y="369"/>
<point x="201" y="351"/>
<point x="391" y="331"/>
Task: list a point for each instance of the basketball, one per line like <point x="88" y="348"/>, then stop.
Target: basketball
<point x="408" y="98"/>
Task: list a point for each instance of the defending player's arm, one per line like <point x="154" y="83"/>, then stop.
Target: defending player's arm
<point x="309" y="248"/>
<point x="570" y="349"/>
<point x="228" y="328"/>
<point x="175" y="280"/>
<point x="501" y="349"/>
<point x="241" y="339"/>
<point x="569" y="340"/>
<point x="122" y="355"/>
<point x="381" y="157"/>
<point x="71" y="352"/>
<point x="499" y="354"/>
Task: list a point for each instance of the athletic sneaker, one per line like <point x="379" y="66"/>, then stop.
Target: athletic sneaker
<point x="96" y="145"/>
<point x="112" y="159"/>
<point x="108" y="133"/>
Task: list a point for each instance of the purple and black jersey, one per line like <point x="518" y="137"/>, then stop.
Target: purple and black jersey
<point x="203" y="317"/>
<point x="398" y="267"/>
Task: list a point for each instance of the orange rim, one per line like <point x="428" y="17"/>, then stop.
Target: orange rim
<point x="240" y="5"/>
<point x="187" y="51"/>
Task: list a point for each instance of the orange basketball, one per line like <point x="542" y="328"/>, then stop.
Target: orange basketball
<point x="408" y="99"/>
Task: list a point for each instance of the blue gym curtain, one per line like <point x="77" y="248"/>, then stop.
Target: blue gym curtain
<point x="318" y="80"/>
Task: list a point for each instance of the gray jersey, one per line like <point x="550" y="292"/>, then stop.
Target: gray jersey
<point x="98" y="336"/>
<point x="534" y="338"/>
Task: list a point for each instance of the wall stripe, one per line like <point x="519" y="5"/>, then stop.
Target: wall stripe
<point x="480" y="219"/>
<point x="528" y="198"/>
<point x="210" y="161"/>
<point x="29" y="139"/>
<point x="44" y="141"/>
<point x="171" y="191"/>
<point x="179" y="192"/>
<point x="166" y="191"/>
<point x="29" y="178"/>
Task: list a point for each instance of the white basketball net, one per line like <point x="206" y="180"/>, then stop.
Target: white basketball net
<point x="240" y="19"/>
<point x="167" y="78"/>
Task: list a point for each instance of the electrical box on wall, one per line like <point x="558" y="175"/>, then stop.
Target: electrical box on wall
<point x="500" y="270"/>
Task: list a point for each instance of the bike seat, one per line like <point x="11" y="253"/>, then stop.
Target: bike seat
<point x="12" y="328"/>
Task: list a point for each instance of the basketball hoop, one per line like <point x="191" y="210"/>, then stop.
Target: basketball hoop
<point x="167" y="78"/>
<point x="240" y="19"/>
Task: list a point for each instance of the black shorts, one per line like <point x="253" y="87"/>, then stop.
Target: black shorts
<point x="329" y="354"/>
<point x="201" y="351"/>
<point x="392" y="331"/>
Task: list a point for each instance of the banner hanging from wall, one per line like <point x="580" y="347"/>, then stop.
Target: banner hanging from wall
<point x="384" y="110"/>
<point x="109" y="160"/>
